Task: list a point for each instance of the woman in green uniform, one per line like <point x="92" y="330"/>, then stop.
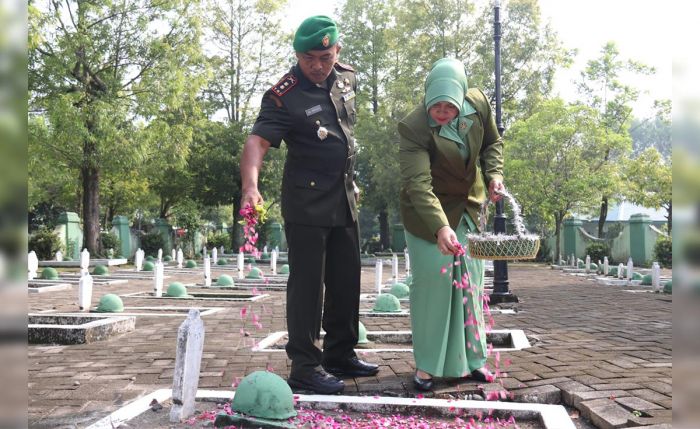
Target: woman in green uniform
<point x="450" y="147"/>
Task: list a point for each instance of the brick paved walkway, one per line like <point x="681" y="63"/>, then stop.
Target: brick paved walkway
<point x="599" y="349"/>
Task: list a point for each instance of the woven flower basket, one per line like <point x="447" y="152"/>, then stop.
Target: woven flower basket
<point x="502" y="247"/>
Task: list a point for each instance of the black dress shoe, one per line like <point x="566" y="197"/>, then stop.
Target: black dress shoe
<point x="318" y="382"/>
<point x="482" y="374"/>
<point x="352" y="367"/>
<point x="423" y="384"/>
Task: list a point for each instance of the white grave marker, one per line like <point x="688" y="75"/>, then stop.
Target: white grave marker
<point x="407" y="259"/>
<point x="173" y="254"/>
<point x="180" y="258"/>
<point x="59" y="256"/>
<point x="84" y="261"/>
<point x="395" y="267"/>
<point x="221" y="249"/>
<point x="630" y="269"/>
<point x="158" y="279"/>
<point x="160" y="255"/>
<point x="620" y="268"/>
<point x="240" y="264"/>
<point x="188" y="358"/>
<point x="207" y="271"/>
<point x="85" y="292"/>
<point x="656" y="276"/>
<point x="32" y="265"/>
<point x="273" y="261"/>
<point x="214" y="256"/>
<point x="138" y="259"/>
<point x="378" y="275"/>
<point x="588" y="264"/>
<point x="606" y="266"/>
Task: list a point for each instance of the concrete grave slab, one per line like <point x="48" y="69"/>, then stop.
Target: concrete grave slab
<point x="548" y="416"/>
<point x="503" y="340"/>
<point x="214" y="296"/>
<point x="160" y="311"/>
<point x="34" y="287"/>
<point x="76" y="329"/>
<point x="76" y="264"/>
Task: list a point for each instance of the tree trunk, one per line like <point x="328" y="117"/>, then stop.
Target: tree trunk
<point x="603" y="216"/>
<point x="669" y="217"/>
<point x="384" y="228"/>
<point x="557" y="233"/>
<point x="91" y="207"/>
<point x="236" y="232"/>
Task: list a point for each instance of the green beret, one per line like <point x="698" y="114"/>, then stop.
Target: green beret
<point x="315" y="33"/>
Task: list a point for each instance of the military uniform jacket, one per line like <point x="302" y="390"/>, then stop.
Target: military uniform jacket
<point x="317" y="185"/>
<point x="437" y="186"/>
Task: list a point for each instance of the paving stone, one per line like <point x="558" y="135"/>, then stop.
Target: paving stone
<point x="579" y="397"/>
<point x="569" y="388"/>
<point x="547" y="394"/>
<point x="633" y="403"/>
<point x="605" y="413"/>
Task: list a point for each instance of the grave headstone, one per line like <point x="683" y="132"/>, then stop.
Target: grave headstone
<point x="188" y="358"/>
<point x="588" y="264"/>
<point x="160" y="255"/>
<point x="630" y="269"/>
<point x="620" y="270"/>
<point x="173" y="254"/>
<point x="265" y="248"/>
<point x="207" y="271"/>
<point x="407" y="259"/>
<point x="158" y="279"/>
<point x="656" y="276"/>
<point x="378" y="275"/>
<point x="180" y="258"/>
<point x="59" y="256"/>
<point x="214" y="256"/>
<point x="221" y="249"/>
<point x="241" y="265"/>
<point x="395" y="267"/>
<point x="138" y="259"/>
<point x="85" y="292"/>
<point x="32" y="265"/>
<point x="606" y="266"/>
<point x="273" y="261"/>
<point x="84" y="261"/>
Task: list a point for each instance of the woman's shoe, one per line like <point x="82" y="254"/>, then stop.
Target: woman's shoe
<point x="422" y="383"/>
<point x="482" y="374"/>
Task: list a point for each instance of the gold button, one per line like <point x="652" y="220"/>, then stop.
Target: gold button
<point x="312" y="183"/>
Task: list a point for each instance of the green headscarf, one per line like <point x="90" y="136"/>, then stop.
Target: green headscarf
<point x="447" y="81"/>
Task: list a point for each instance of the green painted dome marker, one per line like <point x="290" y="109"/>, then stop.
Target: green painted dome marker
<point x="148" y="266"/>
<point x="254" y="273"/>
<point x="409" y="280"/>
<point x="265" y="395"/>
<point x="100" y="270"/>
<point x="222" y="261"/>
<point x="399" y="290"/>
<point x="668" y="287"/>
<point x="150" y="258"/>
<point x="224" y="280"/>
<point x="361" y="334"/>
<point x="176" y="290"/>
<point x="612" y="272"/>
<point x="167" y="258"/>
<point x="284" y="269"/>
<point x="646" y="280"/>
<point x="387" y="303"/>
<point x="110" y="303"/>
<point x="190" y="264"/>
<point x="594" y="266"/>
<point x="637" y="276"/>
<point x="49" y="273"/>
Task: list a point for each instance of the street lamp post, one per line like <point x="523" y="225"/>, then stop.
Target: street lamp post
<point x="500" y="293"/>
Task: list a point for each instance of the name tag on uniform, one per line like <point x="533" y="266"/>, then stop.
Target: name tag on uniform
<point x="311" y="110"/>
<point x="349" y="96"/>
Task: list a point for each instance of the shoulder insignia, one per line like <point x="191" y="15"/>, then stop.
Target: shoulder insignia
<point x="284" y="85"/>
<point x="346" y="67"/>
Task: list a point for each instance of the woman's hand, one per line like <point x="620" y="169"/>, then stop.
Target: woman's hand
<point x="494" y="186"/>
<point x="445" y="239"/>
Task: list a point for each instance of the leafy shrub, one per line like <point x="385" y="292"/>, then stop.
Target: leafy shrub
<point x="663" y="252"/>
<point x="45" y="243"/>
<point x="151" y="242"/>
<point x="219" y="239"/>
<point x="109" y="240"/>
<point x="598" y="250"/>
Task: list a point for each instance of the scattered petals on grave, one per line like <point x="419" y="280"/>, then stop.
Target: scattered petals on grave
<point x="252" y="216"/>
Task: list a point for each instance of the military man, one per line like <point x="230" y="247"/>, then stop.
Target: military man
<point x="312" y="108"/>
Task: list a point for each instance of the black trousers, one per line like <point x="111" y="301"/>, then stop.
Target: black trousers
<point x="321" y="256"/>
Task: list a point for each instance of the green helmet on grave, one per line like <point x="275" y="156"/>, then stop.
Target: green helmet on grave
<point x="387" y="303"/>
<point x="254" y="273"/>
<point x="49" y="273"/>
<point x="612" y="272"/>
<point x="110" y="303"/>
<point x="190" y="264"/>
<point x="265" y="256"/>
<point x="646" y="280"/>
<point x="222" y="261"/>
<point x="361" y="333"/>
<point x="284" y="269"/>
<point x="637" y="276"/>
<point x="150" y="258"/>
<point x="176" y="290"/>
<point x="668" y="286"/>
<point x="224" y="280"/>
<point x="409" y="280"/>
<point x="148" y="266"/>
<point x="399" y="290"/>
<point x="167" y="258"/>
<point x="100" y="270"/>
<point x="266" y="395"/>
<point x="594" y="266"/>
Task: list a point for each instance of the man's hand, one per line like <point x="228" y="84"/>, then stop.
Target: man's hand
<point x="445" y="237"/>
<point x="251" y="196"/>
<point x="356" y="190"/>
<point x="494" y="186"/>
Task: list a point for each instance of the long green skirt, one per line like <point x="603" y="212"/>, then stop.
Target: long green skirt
<point x="449" y="336"/>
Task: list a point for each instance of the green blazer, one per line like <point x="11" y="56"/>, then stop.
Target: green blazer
<point x="437" y="187"/>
